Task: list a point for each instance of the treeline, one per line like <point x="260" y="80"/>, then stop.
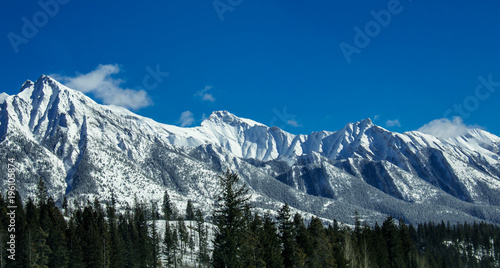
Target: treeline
<point x="147" y="235"/>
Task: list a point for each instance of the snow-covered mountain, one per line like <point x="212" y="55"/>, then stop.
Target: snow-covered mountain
<point x="84" y="150"/>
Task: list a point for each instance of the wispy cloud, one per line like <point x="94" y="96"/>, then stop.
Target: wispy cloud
<point x="293" y="123"/>
<point x="186" y="119"/>
<point x="106" y="88"/>
<point x="205" y="95"/>
<point x="445" y="128"/>
<point x="393" y="123"/>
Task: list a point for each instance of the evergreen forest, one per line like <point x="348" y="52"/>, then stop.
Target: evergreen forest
<point x="232" y="235"/>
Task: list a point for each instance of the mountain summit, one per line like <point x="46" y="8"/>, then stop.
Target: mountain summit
<point x="84" y="150"/>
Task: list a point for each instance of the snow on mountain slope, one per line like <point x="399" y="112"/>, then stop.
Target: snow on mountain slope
<point x="84" y="150"/>
<point x="3" y="96"/>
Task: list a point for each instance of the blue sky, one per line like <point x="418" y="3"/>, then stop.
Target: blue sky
<point x="301" y="65"/>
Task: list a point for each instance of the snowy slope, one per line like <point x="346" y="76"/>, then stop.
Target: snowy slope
<point x="85" y="150"/>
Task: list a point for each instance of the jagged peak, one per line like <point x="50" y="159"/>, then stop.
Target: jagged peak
<point x="226" y="117"/>
<point x="360" y="125"/>
<point x="26" y="85"/>
<point x="366" y="122"/>
<point x="220" y="114"/>
<point x="45" y="79"/>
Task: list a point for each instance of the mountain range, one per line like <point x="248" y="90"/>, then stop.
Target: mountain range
<point x="84" y="150"/>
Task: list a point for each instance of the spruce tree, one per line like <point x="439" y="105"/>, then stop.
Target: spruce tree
<point x="143" y="245"/>
<point x="116" y="244"/>
<point x="155" y="242"/>
<point x="290" y="250"/>
<point x="170" y="245"/>
<point x="167" y="207"/>
<point x="203" y="256"/>
<point x="271" y="247"/>
<point x="56" y="230"/>
<point x="394" y="249"/>
<point x="39" y="250"/>
<point x="407" y="245"/>
<point x="91" y="241"/>
<point x="230" y="221"/>
<point x="189" y="210"/>
<point x="65" y="206"/>
<point x="183" y="235"/>
<point x="252" y="248"/>
<point x="334" y="238"/>
<point x="320" y="253"/>
<point x="74" y="245"/>
<point x="303" y="240"/>
<point x="42" y="194"/>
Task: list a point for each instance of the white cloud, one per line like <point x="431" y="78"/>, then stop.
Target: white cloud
<point x="445" y="128"/>
<point x="106" y="88"/>
<point x="208" y="97"/>
<point x="293" y="123"/>
<point x="205" y="95"/>
<point x="393" y="123"/>
<point x="186" y="119"/>
<point x="376" y="117"/>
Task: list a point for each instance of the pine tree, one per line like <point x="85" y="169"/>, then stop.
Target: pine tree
<point x="394" y="249"/>
<point x="252" y="249"/>
<point x="65" y="206"/>
<point x="167" y="207"/>
<point x="271" y="247"/>
<point x="303" y="240"/>
<point x="170" y="245"/>
<point x="91" y="241"/>
<point x="102" y="228"/>
<point x="155" y="241"/>
<point x="128" y="234"/>
<point x="334" y="237"/>
<point x="38" y="223"/>
<point x="229" y="220"/>
<point x="189" y="210"/>
<point x="203" y="256"/>
<point x="116" y="244"/>
<point x="320" y="253"/>
<point x="183" y="235"/>
<point x="74" y="244"/>
<point x="39" y="250"/>
<point x="143" y="240"/>
<point x="407" y="245"/>
<point x="51" y="215"/>
<point x="290" y="252"/>
<point x="42" y="195"/>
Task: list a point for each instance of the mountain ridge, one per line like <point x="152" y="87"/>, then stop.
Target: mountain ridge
<point x="83" y="150"/>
